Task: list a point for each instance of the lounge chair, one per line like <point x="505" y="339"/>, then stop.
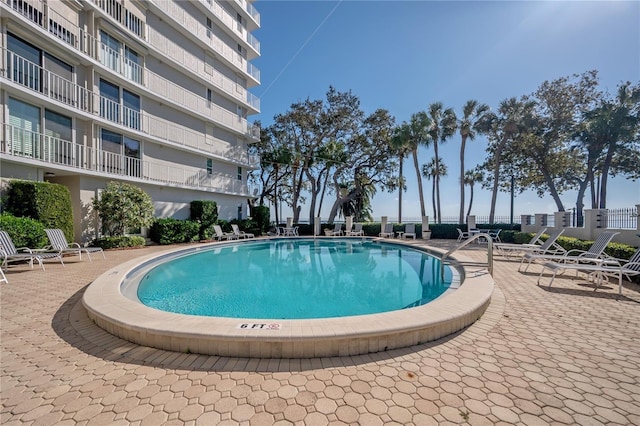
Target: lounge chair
<point x="223" y="235"/>
<point x="3" y="277"/>
<point x="495" y="235"/>
<point x="462" y="235"/>
<point x="388" y="231"/>
<point x="609" y="267"/>
<point x="9" y="253"/>
<point x="337" y="229"/>
<point x="508" y="249"/>
<point x="241" y="234"/>
<point x="592" y="256"/>
<point x="409" y="231"/>
<point x="357" y="231"/>
<point x="60" y="245"/>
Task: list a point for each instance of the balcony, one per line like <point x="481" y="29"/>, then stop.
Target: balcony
<point x="21" y="143"/>
<point x="87" y="45"/>
<point x="231" y="23"/>
<point x="122" y="15"/>
<point x="43" y="82"/>
<point x="201" y="32"/>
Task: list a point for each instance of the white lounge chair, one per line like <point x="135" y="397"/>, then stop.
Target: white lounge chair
<point x="388" y="231"/>
<point x="337" y="229"/>
<point x="462" y="235"/>
<point x="597" y="272"/>
<point x="356" y="231"/>
<point x="223" y="235"/>
<point x="592" y="256"/>
<point x="9" y="253"/>
<point x="508" y="249"/>
<point x="241" y="234"/>
<point x="60" y="245"/>
<point x="409" y="231"/>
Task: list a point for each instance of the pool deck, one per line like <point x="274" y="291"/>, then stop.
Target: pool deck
<point x="560" y="355"/>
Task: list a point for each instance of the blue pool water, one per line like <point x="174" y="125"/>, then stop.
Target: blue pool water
<point x="295" y="279"/>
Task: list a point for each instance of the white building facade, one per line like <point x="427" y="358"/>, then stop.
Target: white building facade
<point x="155" y="93"/>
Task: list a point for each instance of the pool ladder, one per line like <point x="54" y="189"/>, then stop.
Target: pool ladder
<point x="467" y="242"/>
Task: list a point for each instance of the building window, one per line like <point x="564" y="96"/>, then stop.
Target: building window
<point x="120" y="58"/>
<point x="120" y="154"/>
<point x="24" y="62"/>
<point x="240" y="173"/>
<point x="58" y="135"/>
<point x="111" y="100"/>
<point x="209" y="27"/>
<point x="209" y="97"/>
<point x="209" y="166"/>
<point x="24" y="133"/>
<point x="239" y="211"/>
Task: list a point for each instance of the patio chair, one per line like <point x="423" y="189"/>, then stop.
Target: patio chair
<point x="594" y="255"/>
<point x="9" y="253"/>
<point x="597" y="272"/>
<point x="219" y="235"/>
<point x="60" y="245"/>
<point x="462" y="235"/>
<point x="409" y="230"/>
<point x="495" y="235"/>
<point x="337" y="229"/>
<point x="508" y="249"/>
<point x="388" y="231"/>
<point x="357" y="231"/>
<point x="241" y="234"/>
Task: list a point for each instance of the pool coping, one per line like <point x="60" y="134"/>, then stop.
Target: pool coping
<point x="308" y="338"/>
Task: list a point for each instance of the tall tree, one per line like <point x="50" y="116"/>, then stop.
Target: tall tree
<point x="401" y="144"/>
<point x="503" y="127"/>
<point x="431" y="170"/>
<point x="469" y="125"/>
<point x="471" y="177"/>
<point x="443" y="126"/>
<point x="413" y="135"/>
<point x="372" y="161"/>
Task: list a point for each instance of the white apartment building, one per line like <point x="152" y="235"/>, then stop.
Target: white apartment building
<point x="150" y="92"/>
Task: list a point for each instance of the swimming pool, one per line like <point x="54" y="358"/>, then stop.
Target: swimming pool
<point x="295" y="279"/>
<point x="111" y="303"/>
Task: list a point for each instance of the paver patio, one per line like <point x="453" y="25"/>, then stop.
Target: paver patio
<point x="560" y="355"/>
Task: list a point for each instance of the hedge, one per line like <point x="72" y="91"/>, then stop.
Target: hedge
<point x="206" y="214"/>
<point x="172" y="231"/>
<point x="261" y="215"/>
<point x="24" y="232"/>
<point x="48" y="203"/>
<point x="119" y="241"/>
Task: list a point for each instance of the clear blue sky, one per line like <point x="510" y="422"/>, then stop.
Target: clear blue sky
<point x="404" y="55"/>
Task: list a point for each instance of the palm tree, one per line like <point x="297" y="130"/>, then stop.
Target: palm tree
<point x="431" y="171"/>
<point x="443" y="126"/>
<point x="512" y="119"/>
<point x="471" y="177"/>
<point x="401" y="144"/>
<point x="472" y="116"/>
<point x="415" y="134"/>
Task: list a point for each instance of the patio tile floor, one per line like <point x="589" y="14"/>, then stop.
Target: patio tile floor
<point x="565" y="354"/>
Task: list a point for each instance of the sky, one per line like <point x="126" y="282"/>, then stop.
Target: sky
<point x="404" y="55"/>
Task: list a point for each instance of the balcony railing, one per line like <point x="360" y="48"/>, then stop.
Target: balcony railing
<point x="18" y="142"/>
<point x="93" y="48"/>
<point x="231" y="22"/>
<point x="51" y="85"/>
<point x="117" y="11"/>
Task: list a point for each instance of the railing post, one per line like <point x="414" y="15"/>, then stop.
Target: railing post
<point x="637" y="215"/>
<point x="541" y="219"/>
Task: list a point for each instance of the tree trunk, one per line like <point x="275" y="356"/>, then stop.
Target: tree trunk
<point x="437" y="181"/>
<point x="462" y="148"/>
<point x="419" y="177"/>
<point x="433" y="196"/>
<point x="496" y="175"/>
<point x="400" y="189"/>
<point x="470" y="203"/>
<point x="275" y="197"/>
<point x="605" y="174"/>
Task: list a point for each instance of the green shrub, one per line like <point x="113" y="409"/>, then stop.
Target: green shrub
<point x="48" y="203"/>
<point x="261" y="215"/>
<point x="119" y="241"/>
<point x="173" y="231"/>
<point x="24" y="232"/>
<point x="122" y="206"/>
<point x="206" y="214"/>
